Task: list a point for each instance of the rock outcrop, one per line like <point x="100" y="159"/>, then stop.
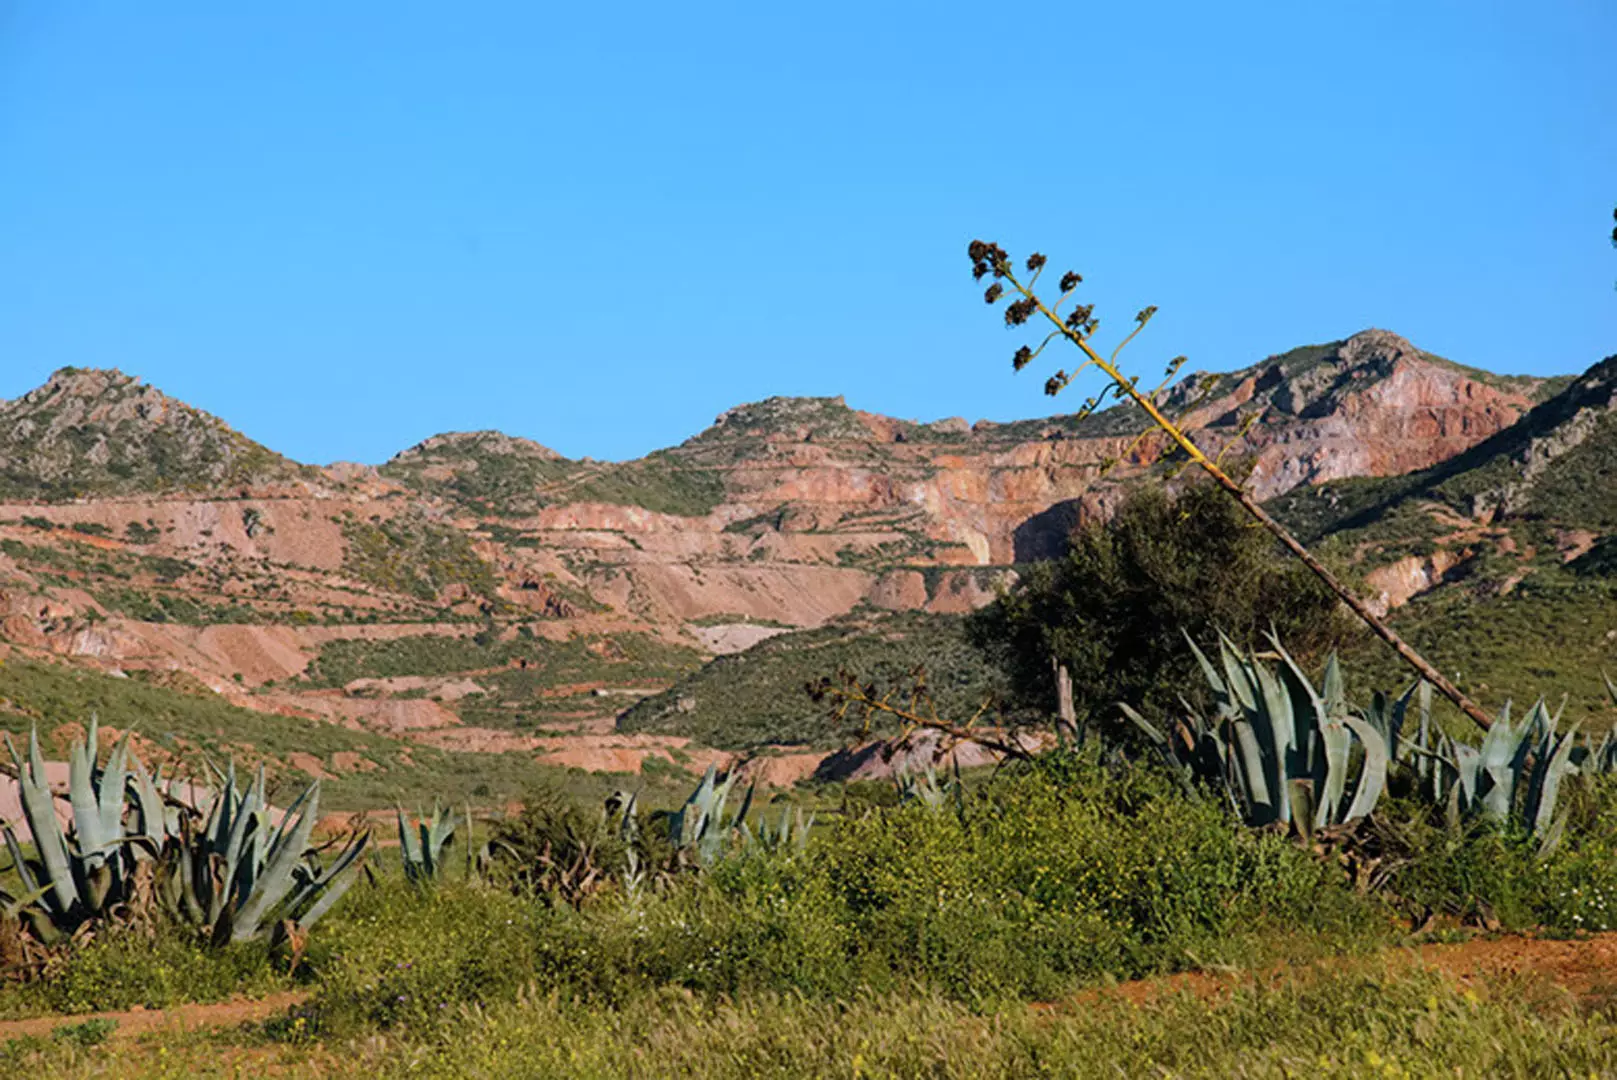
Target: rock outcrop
<point x="137" y="532"/>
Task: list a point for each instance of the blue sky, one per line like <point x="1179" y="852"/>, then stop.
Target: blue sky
<point x="345" y="227"/>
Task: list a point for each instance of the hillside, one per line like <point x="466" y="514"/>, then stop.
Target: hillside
<point x="479" y="592"/>
<point x="100" y="433"/>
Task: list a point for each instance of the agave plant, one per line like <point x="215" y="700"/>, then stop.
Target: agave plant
<point x="240" y="876"/>
<point x="129" y="846"/>
<point x="700" y="828"/>
<point x="422" y="844"/>
<point x="1285" y="752"/>
<point x="1282" y="750"/>
<point x="925" y="789"/>
<point x="791" y="833"/>
<point x="1515" y="775"/>
<point x="92" y="870"/>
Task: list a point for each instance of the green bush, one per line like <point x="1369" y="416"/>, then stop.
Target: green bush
<point x="1070" y="872"/>
<point x="1484" y="873"/>
<point x="1115" y="609"/>
<point x="168" y="966"/>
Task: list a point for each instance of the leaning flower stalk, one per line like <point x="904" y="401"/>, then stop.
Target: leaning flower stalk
<point x="1077" y="328"/>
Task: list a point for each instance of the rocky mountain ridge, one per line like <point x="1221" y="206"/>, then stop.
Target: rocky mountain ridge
<point x="90" y="432"/>
<point x="519" y="595"/>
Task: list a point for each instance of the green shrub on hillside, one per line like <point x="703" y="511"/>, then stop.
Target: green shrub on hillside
<point x="414" y="556"/>
<point x="1115" y="609"/>
<point x="757" y="697"/>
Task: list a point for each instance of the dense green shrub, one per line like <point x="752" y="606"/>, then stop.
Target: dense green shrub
<point x="1065" y="873"/>
<point x="1116" y="607"/>
<point x="167" y="966"/>
<point x="1482" y="873"/>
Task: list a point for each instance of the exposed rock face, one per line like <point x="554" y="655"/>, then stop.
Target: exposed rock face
<point x="1372" y="406"/>
<point x="790" y="511"/>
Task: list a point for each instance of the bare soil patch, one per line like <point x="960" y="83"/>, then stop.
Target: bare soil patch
<point x="133" y="1022"/>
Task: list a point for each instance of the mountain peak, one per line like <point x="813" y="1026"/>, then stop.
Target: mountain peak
<point x="97" y="431"/>
<point x="486" y="441"/>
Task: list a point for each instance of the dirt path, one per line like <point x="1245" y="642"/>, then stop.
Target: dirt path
<point x="1586" y="968"/>
<point x="132" y="1022"/>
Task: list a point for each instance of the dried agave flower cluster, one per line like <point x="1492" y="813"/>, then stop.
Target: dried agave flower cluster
<point x="1078" y="327"/>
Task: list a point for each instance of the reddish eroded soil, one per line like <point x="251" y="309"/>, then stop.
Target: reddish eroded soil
<point x="133" y="1022"/>
<point x="1585" y="968"/>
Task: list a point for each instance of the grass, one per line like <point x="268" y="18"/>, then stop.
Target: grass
<point x="1359" y="1020"/>
<point x="60" y="699"/>
<point x="756" y="697"/>
<point x="1550" y="636"/>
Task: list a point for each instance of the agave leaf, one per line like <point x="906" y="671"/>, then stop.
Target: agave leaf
<point x="1302" y="808"/>
<point x="222" y="821"/>
<point x="746" y="802"/>
<point x="1498" y="756"/>
<point x="1276" y="726"/>
<point x="1423" y="764"/>
<point x="1397" y="717"/>
<point x="39" y="810"/>
<point x="1468" y="766"/>
<point x="1256" y="787"/>
<point x="1373" y="773"/>
<point x="92" y="843"/>
<point x="246" y="817"/>
<point x="149" y="804"/>
<point x="409" y="844"/>
<point x="337" y="881"/>
<point x="1208" y="670"/>
<point x="114" y="783"/>
<point x="1551" y="838"/>
<point x="1237" y="675"/>
<point x="92" y="740"/>
<point x="1545" y="786"/>
<point x="13" y="906"/>
<point x="24" y="873"/>
<point x="1337" y="741"/>
<point x="277" y="880"/>
<point x="1333" y="688"/>
<point x="1151" y="731"/>
<point x="1308" y="712"/>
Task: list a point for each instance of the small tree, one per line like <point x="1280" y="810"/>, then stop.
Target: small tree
<point x="1077" y="328"/>
<point x="1114" y="609"/>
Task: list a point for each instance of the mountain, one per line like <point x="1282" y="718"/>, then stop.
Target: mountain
<point x="1551" y="475"/>
<point x="480" y="592"/>
<point x="89" y="432"/>
<point x="486" y="470"/>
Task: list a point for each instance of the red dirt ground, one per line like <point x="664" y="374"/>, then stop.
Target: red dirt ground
<point x="1586" y="968"/>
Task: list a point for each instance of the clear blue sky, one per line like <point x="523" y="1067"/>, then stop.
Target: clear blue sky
<point x="346" y="226"/>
